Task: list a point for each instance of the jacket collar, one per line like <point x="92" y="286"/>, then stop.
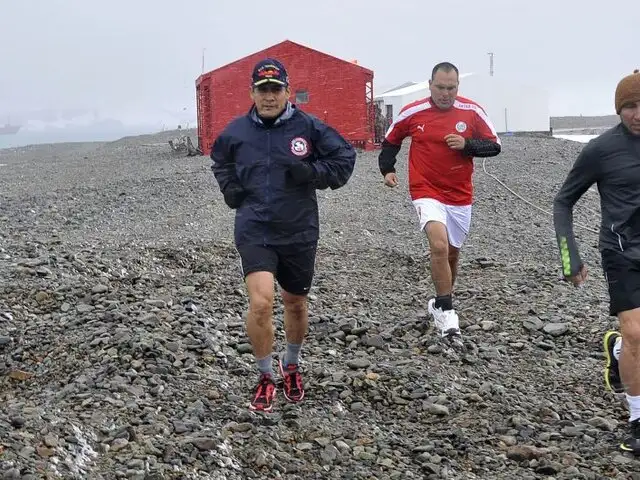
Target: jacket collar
<point x="289" y="110"/>
<point x="628" y="132"/>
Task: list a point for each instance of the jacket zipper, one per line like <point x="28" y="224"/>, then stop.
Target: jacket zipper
<point x="619" y="238"/>
<point x="264" y="233"/>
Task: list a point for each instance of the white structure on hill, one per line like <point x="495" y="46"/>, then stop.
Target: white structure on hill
<point x="511" y="107"/>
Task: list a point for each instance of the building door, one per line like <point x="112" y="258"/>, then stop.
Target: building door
<point x="389" y="113"/>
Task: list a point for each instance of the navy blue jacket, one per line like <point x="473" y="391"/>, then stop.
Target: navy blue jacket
<point x="276" y="211"/>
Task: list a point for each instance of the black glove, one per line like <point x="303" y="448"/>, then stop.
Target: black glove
<point x="234" y="195"/>
<point x="301" y="172"/>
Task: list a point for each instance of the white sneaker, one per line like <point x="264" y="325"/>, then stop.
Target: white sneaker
<point x="447" y="321"/>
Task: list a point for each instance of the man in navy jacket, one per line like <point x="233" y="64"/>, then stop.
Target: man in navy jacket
<point x="268" y="165"/>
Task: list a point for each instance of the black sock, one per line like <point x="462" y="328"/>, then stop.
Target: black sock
<point x="444" y="302"/>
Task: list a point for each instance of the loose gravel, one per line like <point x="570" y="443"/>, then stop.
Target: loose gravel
<point x="123" y="352"/>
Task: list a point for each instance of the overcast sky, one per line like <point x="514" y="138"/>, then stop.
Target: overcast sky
<point x="136" y="55"/>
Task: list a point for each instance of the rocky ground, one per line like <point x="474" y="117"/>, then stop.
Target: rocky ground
<point x="123" y="353"/>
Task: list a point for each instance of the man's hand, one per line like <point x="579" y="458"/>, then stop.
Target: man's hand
<point x="579" y="279"/>
<point x="234" y="195"/>
<point x="455" y="142"/>
<point x="301" y="172"/>
<point x="391" y="179"/>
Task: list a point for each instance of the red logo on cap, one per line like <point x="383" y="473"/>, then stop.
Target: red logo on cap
<point x="269" y="71"/>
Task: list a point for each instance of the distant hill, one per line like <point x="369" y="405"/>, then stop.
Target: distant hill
<point x="584" y="122"/>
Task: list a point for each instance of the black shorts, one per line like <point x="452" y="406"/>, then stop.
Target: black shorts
<point x="623" y="281"/>
<point x="292" y="265"/>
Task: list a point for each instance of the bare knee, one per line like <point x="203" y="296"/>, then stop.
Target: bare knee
<point x="630" y="329"/>
<point x="261" y="292"/>
<point x="454" y="253"/>
<point x="295" y="305"/>
<point x="438" y="240"/>
<point x="439" y="249"/>
<point x="261" y="304"/>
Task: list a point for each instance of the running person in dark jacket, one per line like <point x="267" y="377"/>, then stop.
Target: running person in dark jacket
<point x="612" y="161"/>
<point x="268" y="164"/>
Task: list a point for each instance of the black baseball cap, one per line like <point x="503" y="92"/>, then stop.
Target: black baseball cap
<point x="269" y="70"/>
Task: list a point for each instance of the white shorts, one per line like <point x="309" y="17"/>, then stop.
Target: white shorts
<point x="456" y="218"/>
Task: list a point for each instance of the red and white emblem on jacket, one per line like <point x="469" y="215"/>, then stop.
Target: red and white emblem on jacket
<point x="299" y="147"/>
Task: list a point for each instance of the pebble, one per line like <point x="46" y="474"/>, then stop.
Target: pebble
<point x="358" y="363"/>
<point x="436" y="409"/>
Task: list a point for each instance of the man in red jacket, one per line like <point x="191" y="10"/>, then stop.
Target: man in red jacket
<point x="446" y="132"/>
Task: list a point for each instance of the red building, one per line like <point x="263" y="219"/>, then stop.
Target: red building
<point x="336" y="91"/>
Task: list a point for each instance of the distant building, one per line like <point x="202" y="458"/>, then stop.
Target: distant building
<point x="337" y="91"/>
<point x="9" y="129"/>
<point x="512" y="107"/>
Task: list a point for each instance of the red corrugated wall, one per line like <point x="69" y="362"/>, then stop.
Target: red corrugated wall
<point x="339" y="92"/>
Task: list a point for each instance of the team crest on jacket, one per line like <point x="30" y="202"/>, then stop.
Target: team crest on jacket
<point x="461" y="127"/>
<point x="299" y="147"/>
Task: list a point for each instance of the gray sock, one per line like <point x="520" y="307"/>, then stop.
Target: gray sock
<point x="293" y="354"/>
<point x="265" y="365"/>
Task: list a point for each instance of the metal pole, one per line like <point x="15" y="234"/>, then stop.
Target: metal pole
<point x="506" y="123"/>
<point x="203" y="59"/>
<point x="490" y="64"/>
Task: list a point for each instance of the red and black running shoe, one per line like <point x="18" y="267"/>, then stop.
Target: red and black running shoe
<point x="264" y="394"/>
<point x="292" y="382"/>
